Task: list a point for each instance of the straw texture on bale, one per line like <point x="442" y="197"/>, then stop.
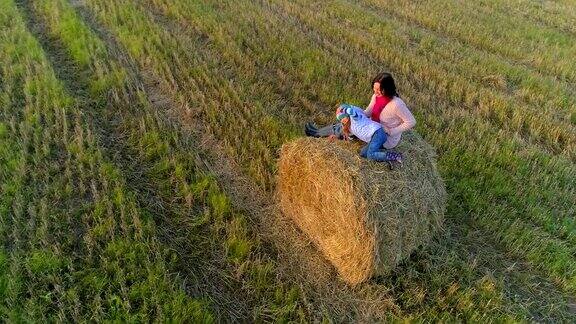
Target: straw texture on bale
<point x="364" y="217"/>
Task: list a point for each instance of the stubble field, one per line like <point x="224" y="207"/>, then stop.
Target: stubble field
<point x="139" y="140"/>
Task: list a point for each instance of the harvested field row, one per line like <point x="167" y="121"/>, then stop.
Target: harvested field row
<point x="210" y="247"/>
<point x="167" y="116"/>
<point x="74" y="238"/>
<point x="523" y="230"/>
<point x="545" y="48"/>
<point x="526" y="229"/>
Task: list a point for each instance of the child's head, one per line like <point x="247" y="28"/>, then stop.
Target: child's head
<point x="341" y="115"/>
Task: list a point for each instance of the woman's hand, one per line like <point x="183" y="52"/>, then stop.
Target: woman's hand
<point x="386" y="129"/>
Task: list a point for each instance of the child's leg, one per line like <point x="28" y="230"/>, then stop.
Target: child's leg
<point x="334" y="129"/>
<point x="337" y="130"/>
<point x="310" y="130"/>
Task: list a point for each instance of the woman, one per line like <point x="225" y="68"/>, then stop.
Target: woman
<point x="385" y="107"/>
<point x="388" y="109"/>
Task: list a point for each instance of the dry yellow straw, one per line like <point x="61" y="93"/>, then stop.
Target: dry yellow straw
<point x="364" y="217"/>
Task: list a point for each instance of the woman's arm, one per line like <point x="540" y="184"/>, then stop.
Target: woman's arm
<point x="408" y="120"/>
<point x="368" y="110"/>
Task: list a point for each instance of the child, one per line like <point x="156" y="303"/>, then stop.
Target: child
<point x="385" y="107"/>
<point x="355" y="122"/>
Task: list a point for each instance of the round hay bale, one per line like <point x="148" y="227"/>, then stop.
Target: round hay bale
<point x="364" y="217"/>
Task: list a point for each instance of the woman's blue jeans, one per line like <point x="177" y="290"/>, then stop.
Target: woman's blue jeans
<point x="373" y="150"/>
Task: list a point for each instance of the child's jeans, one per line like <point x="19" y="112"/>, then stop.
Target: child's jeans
<point x="334" y="129"/>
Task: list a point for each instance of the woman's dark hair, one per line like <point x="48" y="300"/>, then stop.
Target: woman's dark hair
<point x="387" y="85"/>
